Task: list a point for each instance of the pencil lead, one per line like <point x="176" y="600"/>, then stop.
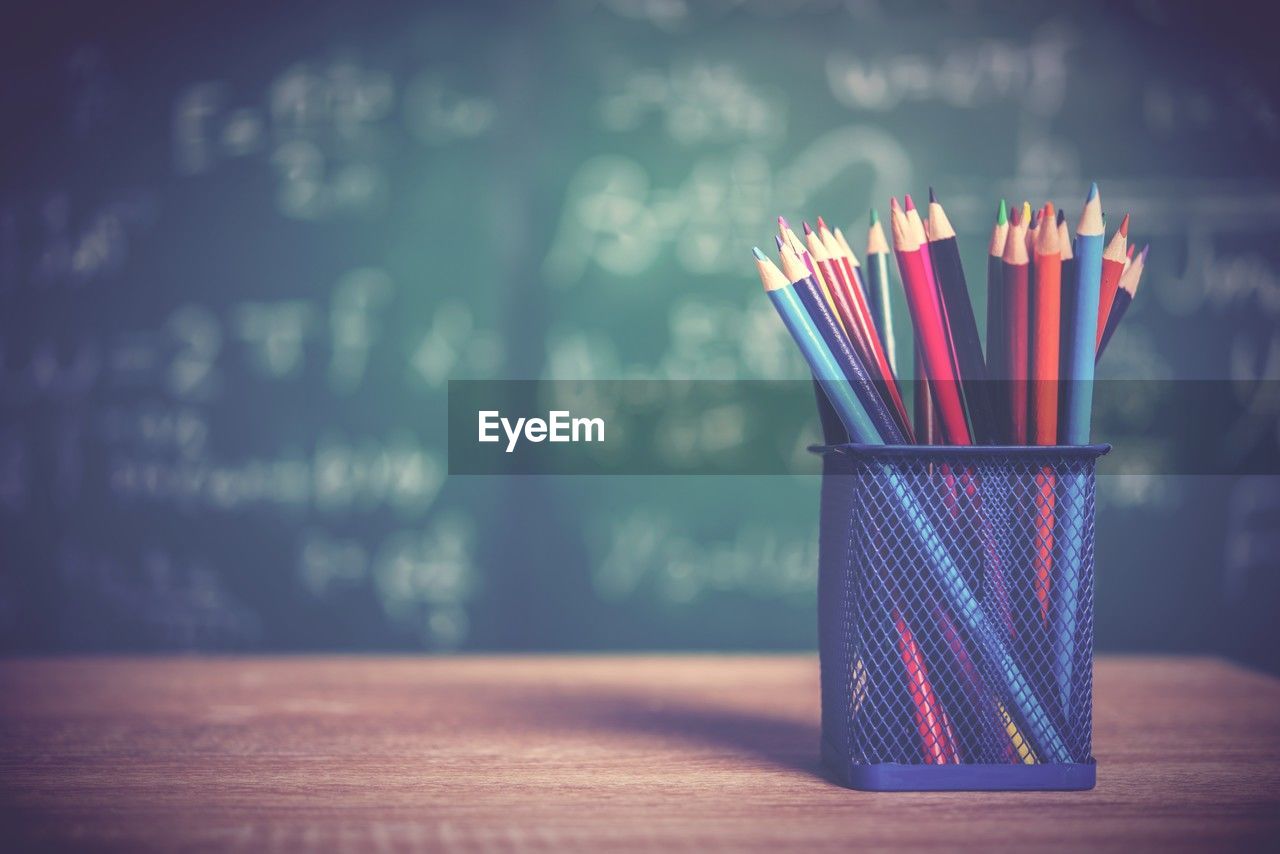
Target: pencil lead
<point x="907" y="203"/>
<point x="932" y="198"/>
<point x="1015" y="217"/>
<point x="1002" y="213"/>
<point x="760" y="256"/>
<point x="807" y="229"/>
<point x="777" y="238"/>
<point x="822" y="226"/>
<point x="875" y="217"/>
<point x="1129" y="252"/>
<point x="893" y="204"/>
<point x="1062" y="216"/>
<point x="783" y="224"/>
<point x="1026" y="211"/>
<point x="1093" y="192"/>
<point x="1143" y="256"/>
<point x="1124" y="225"/>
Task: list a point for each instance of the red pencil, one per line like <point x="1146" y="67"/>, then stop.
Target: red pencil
<point x="1113" y="264"/>
<point x="931" y="332"/>
<point x="937" y="740"/>
<point x="1017" y="357"/>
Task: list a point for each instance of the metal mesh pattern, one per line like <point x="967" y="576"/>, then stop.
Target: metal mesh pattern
<point x="956" y="604"/>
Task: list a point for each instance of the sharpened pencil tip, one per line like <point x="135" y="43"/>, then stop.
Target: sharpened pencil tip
<point x="760" y="256"/>
<point x="893" y="204"/>
<point x="783" y="224"/>
<point x="907" y="203"/>
<point x="778" y="240"/>
<point x="1093" y="192"/>
<point x="1062" y="216"/>
<point x="1002" y="213"/>
<point x="1124" y="225"/>
<point x="875" y="217"/>
<point x="805" y="226"/>
<point x="932" y="198"/>
<point x="1026" y="211"/>
<point x="1143" y="256"/>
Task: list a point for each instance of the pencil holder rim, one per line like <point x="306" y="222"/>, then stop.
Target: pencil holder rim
<point x="939" y="451"/>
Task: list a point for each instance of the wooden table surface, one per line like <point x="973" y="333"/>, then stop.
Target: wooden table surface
<point x="548" y="753"/>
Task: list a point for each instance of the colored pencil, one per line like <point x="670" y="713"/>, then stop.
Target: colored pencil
<point x="1016" y="357"/>
<point x="944" y="250"/>
<point x="997" y="370"/>
<point x="877" y="282"/>
<point x="1046" y="309"/>
<point x="936" y="736"/>
<point x="1127" y="290"/>
<point x="851" y="257"/>
<point x="857" y="374"/>
<point x="1080" y="323"/>
<point x="826" y="370"/>
<point x="921" y="231"/>
<point x="1113" y="263"/>
<point x="1046" y="306"/>
<point x="856" y="316"/>
<point x="927" y="319"/>
<point x="1080" y="327"/>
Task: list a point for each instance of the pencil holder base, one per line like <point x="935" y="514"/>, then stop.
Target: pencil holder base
<point x="891" y="777"/>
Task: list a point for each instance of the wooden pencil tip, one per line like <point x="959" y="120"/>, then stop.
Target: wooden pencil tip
<point x="906" y="201"/>
<point x="822" y="226"/>
<point x="893" y="204"/>
<point x="1093" y="192"/>
<point x="760" y="256"/>
<point x="807" y="229"/>
<point x="778" y="240"/>
<point x="782" y="223"/>
<point x="1049" y="213"/>
<point x="1062" y="216"/>
<point x="932" y="198"/>
<point x="1002" y="213"/>
<point x="1124" y="225"/>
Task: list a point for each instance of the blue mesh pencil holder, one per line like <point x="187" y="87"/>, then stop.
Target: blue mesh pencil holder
<point x="956" y="616"/>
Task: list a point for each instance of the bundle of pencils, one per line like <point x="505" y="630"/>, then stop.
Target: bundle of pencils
<point x="1053" y="304"/>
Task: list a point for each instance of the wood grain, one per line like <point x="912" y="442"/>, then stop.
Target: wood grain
<point x="554" y="753"/>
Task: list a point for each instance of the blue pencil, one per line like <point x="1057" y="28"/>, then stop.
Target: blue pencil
<point x="1080" y="323"/>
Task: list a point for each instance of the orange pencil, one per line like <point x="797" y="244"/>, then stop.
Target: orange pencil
<point x="1046" y="312"/>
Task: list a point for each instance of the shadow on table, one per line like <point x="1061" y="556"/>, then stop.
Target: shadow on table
<point x="778" y="741"/>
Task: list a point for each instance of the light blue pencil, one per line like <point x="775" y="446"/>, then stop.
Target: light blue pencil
<point x="1080" y="322"/>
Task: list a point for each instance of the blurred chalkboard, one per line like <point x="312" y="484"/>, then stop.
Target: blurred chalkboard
<point x="243" y="247"/>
